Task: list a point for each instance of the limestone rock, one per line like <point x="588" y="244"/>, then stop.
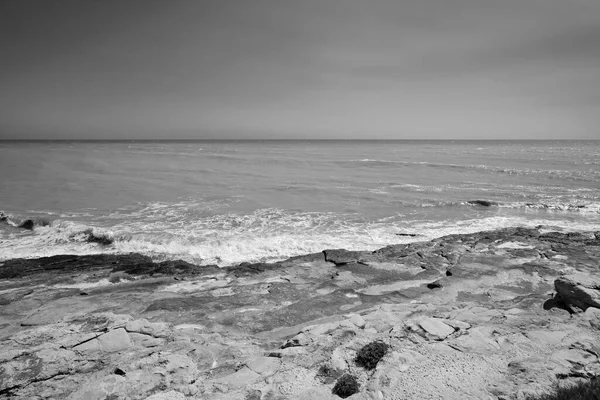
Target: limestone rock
<point x="115" y="340"/>
<point x="476" y="315"/>
<point x="436" y="328"/>
<point x="568" y="357"/>
<point x="357" y="320"/>
<point x="154" y="329"/>
<point x="479" y="340"/>
<point x="240" y="378"/>
<point x="264" y="365"/>
<point x="593" y="317"/>
<point x="171" y="395"/>
<point x="230" y="323"/>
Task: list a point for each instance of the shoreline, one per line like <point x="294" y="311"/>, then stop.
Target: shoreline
<point x="75" y="239"/>
<point x="463" y="305"/>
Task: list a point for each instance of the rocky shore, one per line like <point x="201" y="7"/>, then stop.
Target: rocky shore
<point x="492" y="315"/>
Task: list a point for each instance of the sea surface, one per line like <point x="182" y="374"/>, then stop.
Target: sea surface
<point x="226" y="202"/>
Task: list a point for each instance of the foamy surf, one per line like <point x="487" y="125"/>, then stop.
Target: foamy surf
<point x="265" y="235"/>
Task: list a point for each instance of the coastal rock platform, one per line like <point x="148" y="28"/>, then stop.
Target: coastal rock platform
<point x="492" y="315"/>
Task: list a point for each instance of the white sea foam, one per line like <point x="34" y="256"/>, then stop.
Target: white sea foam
<point x="171" y="231"/>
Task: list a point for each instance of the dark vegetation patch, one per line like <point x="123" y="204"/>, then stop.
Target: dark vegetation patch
<point x="346" y="386"/>
<point x="369" y="356"/>
<point x="588" y="390"/>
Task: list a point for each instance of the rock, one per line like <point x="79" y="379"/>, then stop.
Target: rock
<point x="102" y="238"/>
<point x="408" y="357"/>
<point x="171" y="395"/>
<point x="27" y="224"/>
<point x="579" y="290"/>
<point x="483" y="203"/>
<point x="140" y="339"/>
<point x="264" y="365"/>
<point x="546" y="337"/>
<point x="435" y="285"/>
<point x="479" y="340"/>
<point x="154" y="329"/>
<point x="476" y="315"/>
<point x="593" y="317"/>
<point x="229" y="321"/>
<point x="115" y="340"/>
<point x="67" y="264"/>
<point x="357" y="320"/>
<point x="300" y="339"/>
<point x="240" y="378"/>
<point x="436" y="328"/>
<point x="457" y="325"/>
<point x="569" y="357"/>
<point x="338" y="361"/>
<point x="342" y="256"/>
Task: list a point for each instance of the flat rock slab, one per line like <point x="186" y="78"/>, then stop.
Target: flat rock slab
<point x="240" y="378"/>
<point x="264" y="365"/>
<point x="436" y="328"/>
<point x="115" y="340"/>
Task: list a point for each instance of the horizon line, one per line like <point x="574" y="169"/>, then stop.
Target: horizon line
<point x="299" y="140"/>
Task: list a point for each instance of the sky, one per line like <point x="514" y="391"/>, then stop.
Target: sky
<point x="338" y="69"/>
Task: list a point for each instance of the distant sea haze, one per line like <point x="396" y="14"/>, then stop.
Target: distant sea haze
<point x="225" y="202"/>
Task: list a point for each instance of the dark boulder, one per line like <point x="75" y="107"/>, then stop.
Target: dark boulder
<point x="483" y="203"/>
<point x="103" y="239"/>
<point x="579" y="290"/>
<point x="27" y="224"/>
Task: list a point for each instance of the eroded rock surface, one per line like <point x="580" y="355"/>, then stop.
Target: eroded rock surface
<point x="485" y="315"/>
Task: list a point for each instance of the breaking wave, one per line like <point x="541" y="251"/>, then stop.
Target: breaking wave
<point x="264" y="235"/>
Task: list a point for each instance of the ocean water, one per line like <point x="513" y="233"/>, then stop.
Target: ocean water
<point x="225" y="202"/>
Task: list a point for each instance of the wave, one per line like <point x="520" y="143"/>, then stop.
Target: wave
<point x="28" y="223"/>
<point x="261" y="236"/>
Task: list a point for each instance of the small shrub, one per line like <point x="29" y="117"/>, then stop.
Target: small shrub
<point x="346" y="386"/>
<point x="588" y="390"/>
<point x="371" y="354"/>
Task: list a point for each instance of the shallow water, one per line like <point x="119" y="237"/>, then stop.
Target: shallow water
<point x="231" y="201"/>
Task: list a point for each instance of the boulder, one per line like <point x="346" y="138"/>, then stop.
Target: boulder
<point x="593" y="316"/>
<point x="579" y="290"/>
<point x="483" y="203"/>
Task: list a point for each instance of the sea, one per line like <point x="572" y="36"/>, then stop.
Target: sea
<point x="227" y="202"/>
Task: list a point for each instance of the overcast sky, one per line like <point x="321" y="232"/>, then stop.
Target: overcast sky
<point x="444" y="69"/>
